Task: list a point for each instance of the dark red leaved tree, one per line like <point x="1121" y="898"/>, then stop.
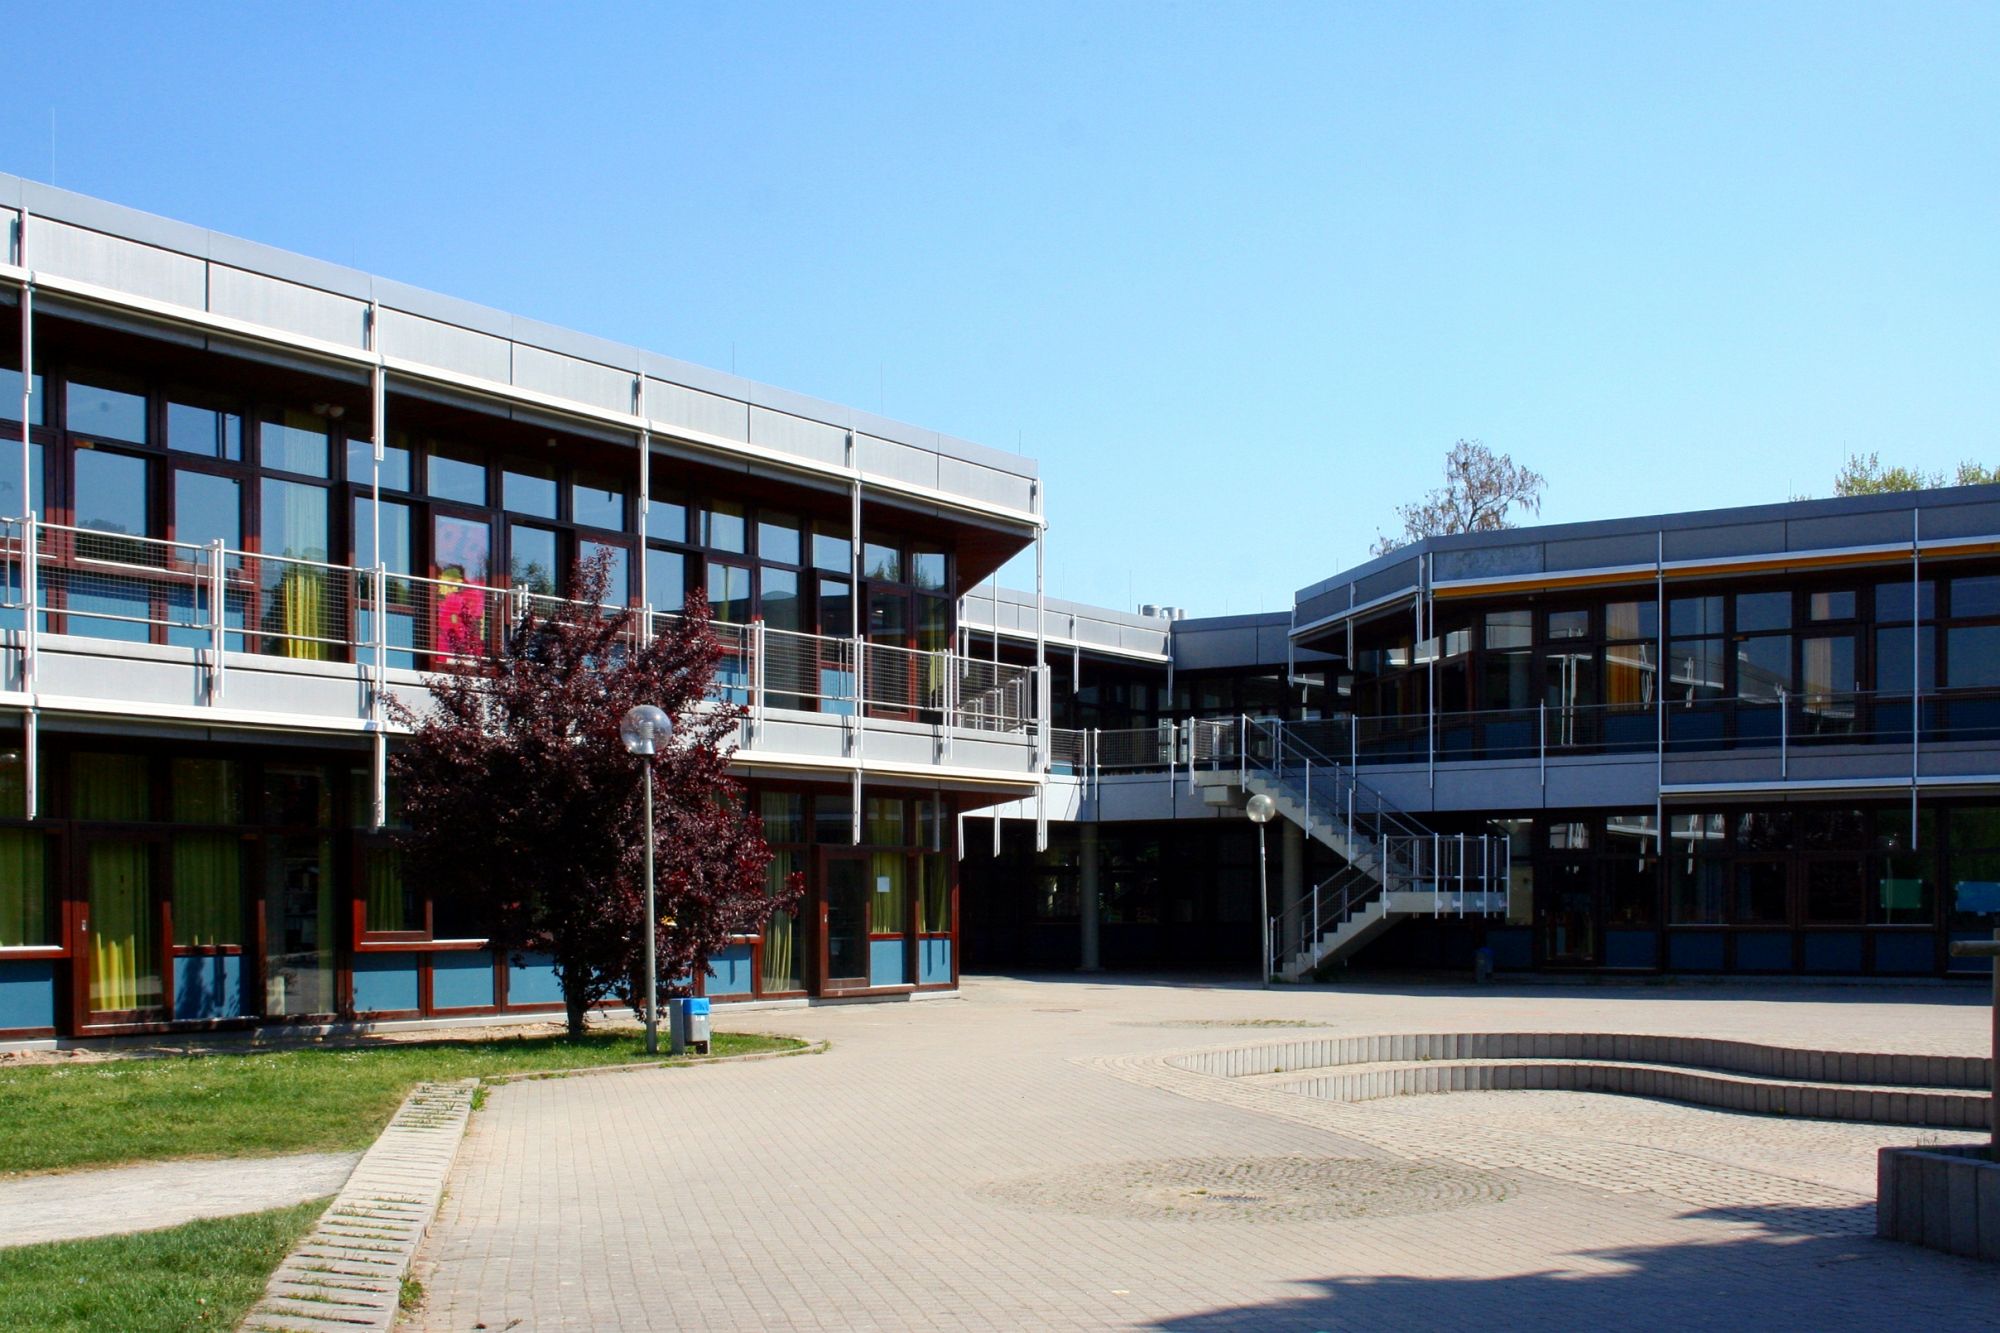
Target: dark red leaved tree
<point x="524" y="811"/>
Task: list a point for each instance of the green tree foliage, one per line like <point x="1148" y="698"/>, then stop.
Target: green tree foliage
<point x="1480" y="488"/>
<point x="1865" y="475"/>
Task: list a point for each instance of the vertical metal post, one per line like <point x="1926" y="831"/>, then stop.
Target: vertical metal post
<point x="30" y="534"/>
<point x="644" y="594"/>
<point x="652" y="924"/>
<point x="1917" y="685"/>
<point x="217" y="638"/>
<point x="1309" y="798"/>
<point x="1663" y="668"/>
<point x="1542" y="748"/>
<point x="379" y="577"/>
<point x="1784" y="735"/>
<point x="1264" y="906"/>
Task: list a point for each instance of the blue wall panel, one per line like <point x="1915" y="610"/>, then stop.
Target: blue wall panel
<point x="1905" y="953"/>
<point x="1764" y="952"/>
<point x="208" y="986"/>
<point x="461" y="980"/>
<point x="933" y="962"/>
<point x="729" y="971"/>
<point x="534" y="984"/>
<point x="1511" y="948"/>
<point x="1631" y="948"/>
<point x="28" y="994"/>
<point x="887" y="965"/>
<point x="1835" y="951"/>
<point x="384" y="981"/>
<point x="1695" y="952"/>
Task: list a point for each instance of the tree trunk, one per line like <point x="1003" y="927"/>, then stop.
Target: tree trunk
<point x="576" y="1005"/>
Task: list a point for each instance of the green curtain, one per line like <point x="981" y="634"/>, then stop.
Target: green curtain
<point x="781" y="952"/>
<point x="387" y="907"/>
<point x="936" y="905"/>
<point x="24" y="892"/>
<point x="887" y="915"/>
<point x="208" y="890"/>
<point x="206" y="791"/>
<point x="124" y="944"/>
<point x="110" y="786"/>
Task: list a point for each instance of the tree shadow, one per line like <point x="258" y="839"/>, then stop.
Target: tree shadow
<point x="1803" y="1268"/>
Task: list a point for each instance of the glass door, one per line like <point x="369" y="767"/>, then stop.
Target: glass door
<point x="122" y="931"/>
<point x="298" y="925"/>
<point x="1566" y="901"/>
<point x="847" y="918"/>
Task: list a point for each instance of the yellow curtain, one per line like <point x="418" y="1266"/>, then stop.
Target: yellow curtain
<point x="205" y="791"/>
<point x="781" y="956"/>
<point x="208" y="890"/>
<point x="887" y="914"/>
<point x="110" y="786"/>
<point x="936" y="905"/>
<point x="24" y="894"/>
<point x="303" y="614"/>
<point x="124" y="946"/>
<point x="383" y="892"/>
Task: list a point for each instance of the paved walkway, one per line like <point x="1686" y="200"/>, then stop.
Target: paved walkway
<point x="72" y="1205"/>
<point x="1025" y="1158"/>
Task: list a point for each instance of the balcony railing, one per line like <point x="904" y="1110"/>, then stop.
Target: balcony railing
<point x="56" y="579"/>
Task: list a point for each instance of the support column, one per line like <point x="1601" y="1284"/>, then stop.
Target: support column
<point x="1292" y="887"/>
<point x="1086" y="896"/>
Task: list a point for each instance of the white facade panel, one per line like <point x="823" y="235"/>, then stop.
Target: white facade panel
<point x="959" y="477"/>
<point x="796" y="435"/>
<point x="273" y="303"/>
<point x="446" y="346"/>
<point x="108" y="261"/>
<point x="674" y="406"/>
<point x="884" y="458"/>
<point x="571" y="377"/>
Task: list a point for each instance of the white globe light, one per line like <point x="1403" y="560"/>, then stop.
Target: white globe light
<point x="1260" y="808"/>
<point x="645" y="730"/>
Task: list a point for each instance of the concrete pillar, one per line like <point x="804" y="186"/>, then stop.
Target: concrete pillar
<point x="1292" y="885"/>
<point x="1086" y="895"/>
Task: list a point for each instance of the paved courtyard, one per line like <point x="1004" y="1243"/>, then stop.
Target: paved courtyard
<point x="1023" y="1157"/>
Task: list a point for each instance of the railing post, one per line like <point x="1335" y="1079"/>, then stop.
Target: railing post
<point x="1461" y="874"/>
<point x="216" y="636"/>
<point x="1242" y="749"/>
<point x="1309" y="798"/>
<point x="1785" y="733"/>
<point x="31" y="599"/>
<point x="757" y="684"/>
<point x="1543" y="748"/>
<point x="1436" y="906"/>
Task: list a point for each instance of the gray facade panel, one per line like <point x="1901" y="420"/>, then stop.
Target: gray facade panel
<point x="236" y="294"/>
<point x="10" y="228"/>
<point x="1639" y="548"/>
<point x="673" y="406"/>
<point x="111" y="261"/>
<point x="1400" y="577"/>
<point x="886" y="458"/>
<point x="589" y="382"/>
<point x="446" y="346"/>
<point x="1827" y="533"/>
<point x="1971" y="519"/>
<point x="1214" y="649"/>
<point x="1487" y="562"/>
<point x="1724" y="541"/>
<point x="986" y="484"/>
<point x="797" y="435"/>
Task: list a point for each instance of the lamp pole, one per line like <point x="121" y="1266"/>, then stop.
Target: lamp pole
<point x="1260" y="808"/>
<point x="644" y="730"/>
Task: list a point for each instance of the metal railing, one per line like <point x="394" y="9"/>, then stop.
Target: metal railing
<point x="57" y="579"/>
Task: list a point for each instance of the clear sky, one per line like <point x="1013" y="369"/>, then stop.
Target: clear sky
<point x="1236" y="274"/>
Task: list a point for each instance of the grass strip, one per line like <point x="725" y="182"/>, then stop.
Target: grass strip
<point x="310" y="1099"/>
<point x="204" y="1274"/>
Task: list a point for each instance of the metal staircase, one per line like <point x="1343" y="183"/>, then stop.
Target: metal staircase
<point x="1392" y="868"/>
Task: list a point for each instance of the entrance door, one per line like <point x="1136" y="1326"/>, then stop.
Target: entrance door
<point x="1566" y="901"/>
<point x="846" y="922"/>
<point x="124" y="952"/>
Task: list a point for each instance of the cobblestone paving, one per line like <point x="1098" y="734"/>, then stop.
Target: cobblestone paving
<point x="868" y="1188"/>
<point x="71" y="1205"/>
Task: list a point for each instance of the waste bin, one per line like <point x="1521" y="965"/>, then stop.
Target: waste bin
<point x="1482" y="965"/>
<point x="687" y="1023"/>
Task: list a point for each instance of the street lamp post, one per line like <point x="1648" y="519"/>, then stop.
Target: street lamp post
<point x="645" y="731"/>
<point x="1260" y="808"/>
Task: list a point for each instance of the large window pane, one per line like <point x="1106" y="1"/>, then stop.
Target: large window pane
<point x="1978" y="596"/>
<point x="927" y="570"/>
<point x="778" y="538"/>
<point x="881" y="561"/>
<point x="666" y="579"/>
<point x="294" y="520"/>
<point x="1697" y="873"/>
<point x="1893" y="601"/>
<point x="10" y="480"/>
<point x="1831" y="606"/>
<point x="462" y="549"/>
<point x="294" y="441"/>
<point x="204" y="431"/>
<point x="1763" y="610"/>
<point x="779" y="597"/>
<point x="1835" y="892"/>
<point x="936" y="906"/>
<point x="831" y="548"/>
<point x="1694" y="617"/>
<point x="598" y="502"/>
<point x="728" y="593"/>
<point x="10" y="397"/>
<point x="113" y="787"/>
<point x="454" y="472"/>
<point x="889" y="902"/>
<point x="390" y="903"/>
<point x="531" y="558"/>
<point x="396" y="546"/>
<point x="666" y="518"/>
<point x="529" y="490"/>
<point x="1696" y="668"/>
<point x="617" y="578"/>
<point x="784" y="952"/>
<point x="104" y="412"/>
<point x="722" y="527"/>
<point x="208" y="889"/>
<point x="1632" y="620"/>
<point x="206" y="508"/>
<point x="207" y="791"/>
<point x="1761" y="892"/>
<point x="1763" y="666"/>
<point x="112" y="492"/>
<point x="1972" y="656"/>
<point x="27" y="915"/>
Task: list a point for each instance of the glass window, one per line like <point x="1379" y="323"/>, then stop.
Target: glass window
<point x="1763" y="610"/>
<point x="395" y="468"/>
<point x="879" y="561"/>
<point x="784" y="815"/>
<point x="461" y="548"/>
<point x="888" y="874"/>
<point x="728" y="593"/>
<point x="1902" y="890"/>
<point x="1696" y="667"/>
<point x="836" y="608"/>
<point x="1569" y="837"/>
<point x="26" y="916"/>
<point x="293" y="520"/>
<point x="454" y="472"/>
<point x="1696" y="870"/>
<point x="831" y="548"/>
<point x="1836" y="892"/>
<point x="1569" y="624"/>
<point x="1975" y="827"/>
<point x="1761" y="892"/>
<point x="294" y="441"/>
<point x="1763" y="666"/>
<point x="1632" y="620"/>
<point x="882" y="821"/>
<point x="1695" y="616"/>
<point x="1894" y="600"/>
<point x="396" y="548"/>
<point x="204" y="431"/>
<point x="106" y="413"/>
<point x="666" y="519"/>
<point x="666" y="579"/>
<point x="361" y="465"/>
<point x="390" y="904"/>
<point x="936" y="905"/>
<point x="110" y="786"/>
<point x="531" y="557"/>
<point x="722" y="527"/>
<point x="112" y="492"/>
<point x="927" y="570"/>
<point x="1629" y="673"/>
<point x="617" y="577"/>
<point x="526" y="490"/>
<point x="779" y="598"/>
<point x="207" y="791"/>
<point x="833" y="817"/>
<point x="10" y="479"/>
<point x="1972" y="656"/>
<point x="781" y="949"/>
<point x="208" y="507"/>
<point x="778" y="538"/>
<point x="1895" y="646"/>
<point x="10" y="397"/>
<point x="1509" y="629"/>
<point x="598" y="502"/>
<point x="1831" y="606"/>
<point x="297" y="798"/>
<point x="1975" y="596"/>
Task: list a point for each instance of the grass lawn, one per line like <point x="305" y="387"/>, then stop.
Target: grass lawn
<point x="199" y="1275"/>
<point x="313" y="1099"/>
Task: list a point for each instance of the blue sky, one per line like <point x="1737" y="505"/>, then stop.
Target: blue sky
<point x="1236" y="275"/>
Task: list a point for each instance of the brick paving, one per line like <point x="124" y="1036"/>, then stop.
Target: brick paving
<point x="1027" y="1157"/>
